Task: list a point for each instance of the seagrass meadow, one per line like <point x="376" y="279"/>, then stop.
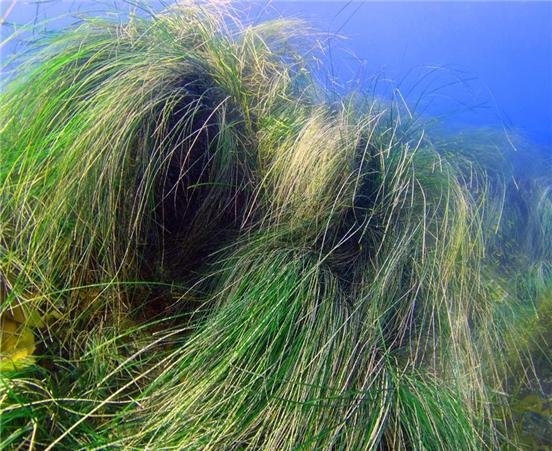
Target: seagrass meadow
<point x="203" y="247"/>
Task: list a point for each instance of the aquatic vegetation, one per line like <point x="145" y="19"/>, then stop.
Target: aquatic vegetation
<point x="200" y="247"/>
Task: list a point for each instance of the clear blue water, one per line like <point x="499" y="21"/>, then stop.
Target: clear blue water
<point x="482" y="63"/>
<point x="468" y="63"/>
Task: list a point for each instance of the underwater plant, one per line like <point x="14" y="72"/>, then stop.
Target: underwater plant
<point x="202" y="247"/>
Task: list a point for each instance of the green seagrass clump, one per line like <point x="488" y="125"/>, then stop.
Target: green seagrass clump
<point x="202" y="248"/>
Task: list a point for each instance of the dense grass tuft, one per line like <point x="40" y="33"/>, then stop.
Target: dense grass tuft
<point x="200" y="247"/>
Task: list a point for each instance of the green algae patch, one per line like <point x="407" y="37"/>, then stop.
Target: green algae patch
<point x="17" y="345"/>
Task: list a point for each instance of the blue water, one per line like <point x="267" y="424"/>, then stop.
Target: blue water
<point x="467" y="63"/>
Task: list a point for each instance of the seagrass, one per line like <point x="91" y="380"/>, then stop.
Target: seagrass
<point x="202" y="248"/>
